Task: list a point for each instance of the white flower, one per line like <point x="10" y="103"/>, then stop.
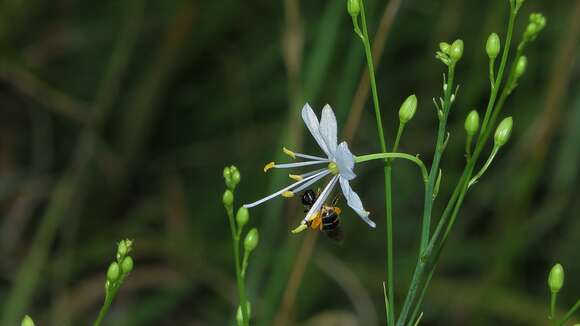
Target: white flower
<point x="339" y="163"/>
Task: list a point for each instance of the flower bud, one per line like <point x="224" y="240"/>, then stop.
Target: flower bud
<point x="444" y="46"/>
<point x="242" y="217"/>
<point x="472" y="123"/>
<point x="236" y="177"/>
<point x="408" y="108"/>
<point x="503" y="131"/>
<point x="353" y="7"/>
<point x="456" y="50"/>
<point x="521" y="66"/>
<point x="251" y="240"/>
<point x="127" y="265"/>
<point x="123" y="248"/>
<point x="492" y="46"/>
<point x="556" y="278"/>
<point x="113" y="272"/>
<point x="27" y="321"/>
<point x="227" y="173"/>
<point x="228" y="198"/>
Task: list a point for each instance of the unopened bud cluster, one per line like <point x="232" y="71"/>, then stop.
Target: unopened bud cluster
<point x="232" y="177"/>
<point x="450" y="53"/>
<point x="123" y="265"/>
<point x="536" y="24"/>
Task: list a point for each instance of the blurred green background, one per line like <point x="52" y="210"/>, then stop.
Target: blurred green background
<point x="117" y="118"/>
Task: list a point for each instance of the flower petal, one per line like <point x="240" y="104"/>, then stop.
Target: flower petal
<point x="353" y="200"/>
<point x="310" y="182"/>
<point x="311" y="122"/>
<point x="321" y="198"/>
<point x="345" y="161"/>
<point x="298" y="164"/>
<point x="328" y="128"/>
<point x="290" y="187"/>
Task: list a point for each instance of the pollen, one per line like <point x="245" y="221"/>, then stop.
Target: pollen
<point x="289" y="152"/>
<point x="288" y="194"/>
<point x="333" y="168"/>
<point x="269" y="166"/>
<point x="295" y="177"/>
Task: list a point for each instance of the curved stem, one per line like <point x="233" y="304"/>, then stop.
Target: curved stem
<point x="409" y="157"/>
<point x="485" y="166"/>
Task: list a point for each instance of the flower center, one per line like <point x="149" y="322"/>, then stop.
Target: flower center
<point x="333" y="168"/>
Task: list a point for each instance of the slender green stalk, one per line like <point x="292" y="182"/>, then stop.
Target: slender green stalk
<point x="428" y="200"/>
<point x="570" y="313"/>
<point x="552" y="317"/>
<point x="109" y="296"/>
<point x="434" y="249"/>
<point x="239" y="276"/>
<point x="387" y="167"/>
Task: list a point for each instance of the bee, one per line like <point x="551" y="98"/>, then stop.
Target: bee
<point x="327" y="219"/>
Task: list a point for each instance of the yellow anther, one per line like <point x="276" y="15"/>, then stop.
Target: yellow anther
<point x="333" y="168"/>
<point x="295" y="177"/>
<point x="269" y="166"/>
<point x="289" y="152"/>
<point x="299" y="229"/>
<point x="288" y="194"/>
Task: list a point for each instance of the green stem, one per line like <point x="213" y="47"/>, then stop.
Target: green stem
<point x="239" y="277"/>
<point x="379" y="156"/>
<point x="428" y="200"/>
<point x="552" y="316"/>
<point x="432" y="253"/>
<point x="386" y="169"/>
<point x="569" y="313"/>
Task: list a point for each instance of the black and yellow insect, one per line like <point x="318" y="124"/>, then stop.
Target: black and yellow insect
<point x="327" y="219"/>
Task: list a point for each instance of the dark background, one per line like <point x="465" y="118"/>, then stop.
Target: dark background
<point x="117" y="118"/>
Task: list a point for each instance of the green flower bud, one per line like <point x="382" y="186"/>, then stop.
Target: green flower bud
<point x="503" y="131"/>
<point x="492" y="46"/>
<point x="242" y="217"/>
<point x="556" y="278"/>
<point x="456" y="50"/>
<point x="236" y="177"/>
<point x="536" y="23"/>
<point x="408" y="108"/>
<point x="444" y="46"/>
<point x="127" y="265"/>
<point x="113" y="272"/>
<point x="27" y="321"/>
<point x="521" y="66"/>
<point x="472" y="123"/>
<point x="240" y="316"/>
<point x="251" y="240"/>
<point x="353" y="7"/>
<point x="228" y="198"/>
<point x="227" y="173"/>
<point x="123" y="248"/>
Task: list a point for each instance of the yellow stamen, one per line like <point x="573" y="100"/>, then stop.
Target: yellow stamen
<point x="295" y="177"/>
<point x="299" y="229"/>
<point x="288" y="194"/>
<point x="289" y="152"/>
<point x="269" y="166"/>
